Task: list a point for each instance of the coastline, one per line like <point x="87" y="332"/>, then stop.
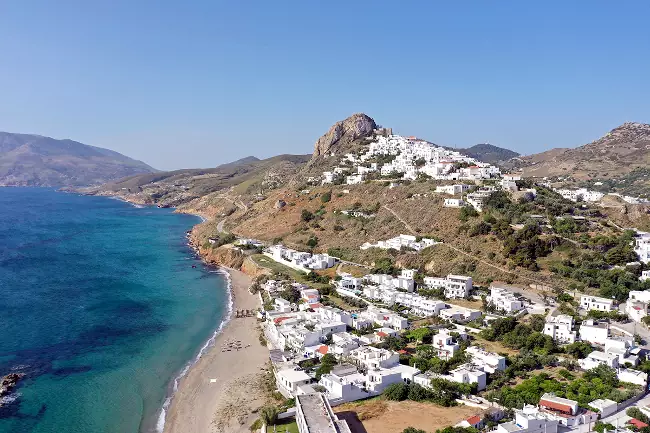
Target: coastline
<point x="221" y="392"/>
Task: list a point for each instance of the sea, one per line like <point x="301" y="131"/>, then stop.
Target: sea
<point x="103" y="306"/>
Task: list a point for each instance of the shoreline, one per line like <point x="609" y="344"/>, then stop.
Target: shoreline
<point x="217" y="393"/>
<point x="220" y="389"/>
<point x="160" y="421"/>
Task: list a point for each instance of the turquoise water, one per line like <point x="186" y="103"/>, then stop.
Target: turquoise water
<point x="100" y="307"/>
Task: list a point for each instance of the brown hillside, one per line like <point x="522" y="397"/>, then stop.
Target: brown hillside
<point x="618" y="152"/>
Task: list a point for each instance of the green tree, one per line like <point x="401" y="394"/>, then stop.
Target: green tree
<point x="413" y="430"/>
<point x="420" y="334"/>
<point x="306" y="216"/>
<point x="397" y="391"/>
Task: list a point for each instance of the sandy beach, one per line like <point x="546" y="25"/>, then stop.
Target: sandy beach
<point x="222" y="391"/>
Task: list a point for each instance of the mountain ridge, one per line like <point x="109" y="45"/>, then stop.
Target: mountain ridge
<point x="38" y="160"/>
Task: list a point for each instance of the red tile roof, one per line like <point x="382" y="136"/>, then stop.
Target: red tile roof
<point x="636" y="423"/>
<point x="382" y="334"/>
<point x="555" y="406"/>
<point x="402" y="352"/>
<point x="279" y="320"/>
<point x="322" y="350"/>
<point x="474" y="420"/>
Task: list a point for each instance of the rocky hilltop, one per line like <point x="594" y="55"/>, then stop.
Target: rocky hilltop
<point x="35" y="160"/>
<point x="618" y="152"/>
<point x="344" y="133"/>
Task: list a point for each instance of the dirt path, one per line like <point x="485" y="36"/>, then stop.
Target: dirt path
<point x="458" y="250"/>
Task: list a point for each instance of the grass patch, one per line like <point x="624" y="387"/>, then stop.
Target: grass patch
<point x="288" y="426"/>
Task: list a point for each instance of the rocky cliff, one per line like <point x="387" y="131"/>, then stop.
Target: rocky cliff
<point x="343" y="133"/>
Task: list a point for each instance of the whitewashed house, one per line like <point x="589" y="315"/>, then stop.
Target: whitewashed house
<point x="489" y="362"/>
<point x="459" y="314"/>
<point x="589" y="302"/>
<point x="504" y="300"/>
<point x="445" y="345"/>
<point x="530" y="420"/>
<point x="636" y="306"/>
<point x="594" y="332"/>
<point x="455" y="202"/>
<point x="560" y="329"/>
<point x="455" y="286"/>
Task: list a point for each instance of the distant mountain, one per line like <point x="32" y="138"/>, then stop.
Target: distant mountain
<point x="34" y="160"/>
<point x="618" y="152"/>
<point x="489" y="153"/>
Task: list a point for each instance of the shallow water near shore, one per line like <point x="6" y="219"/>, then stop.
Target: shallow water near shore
<point x="100" y="307"/>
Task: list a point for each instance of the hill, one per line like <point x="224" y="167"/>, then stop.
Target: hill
<point x="489" y="153"/>
<point x="35" y="160"/>
<point x="617" y="153"/>
<point x="249" y="176"/>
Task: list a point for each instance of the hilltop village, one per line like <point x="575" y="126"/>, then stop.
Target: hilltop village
<point x="345" y="335"/>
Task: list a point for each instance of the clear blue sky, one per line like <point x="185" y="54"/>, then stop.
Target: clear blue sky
<point x="199" y="83"/>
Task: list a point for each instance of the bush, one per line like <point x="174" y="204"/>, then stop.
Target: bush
<point x="396" y="391"/>
<point x="413" y="430"/>
<point x="306" y="216"/>
<point x="269" y="414"/>
<point x="326" y="197"/>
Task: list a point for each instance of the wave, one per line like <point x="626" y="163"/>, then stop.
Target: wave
<point x="136" y="205"/>
<point x="160" y="424"/>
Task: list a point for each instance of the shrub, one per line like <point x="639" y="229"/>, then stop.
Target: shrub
<point x="269" y="414"/>
<point x="397" y="391"/>
<point x="306" y="216"/>
<point x="326" y="197"/>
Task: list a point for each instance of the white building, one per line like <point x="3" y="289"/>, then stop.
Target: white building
<point x="594" y="332"/>
<point x="396" y="243"/>
<point x="302" y="261"/>
<point x="314" y="415"/>
<point x="596" y="358"/>
<point x="455" y="286"/>
<point x="444" y="345"/>
<point x="636" y="306"/>
<point x="581" y="194"/>
<point x="530" y="420"/>
<point x="642" y="246"/>
<point x="459" y="314"/>
<point x="452" y="189"/>
<point x="455" y="202"/>
<point x="463" y="374"/>
<point x="504" y="300"/>
<point x="290" y="380"/>
<point x="489" y="362"/>
<point x="560" y="329"/>
<point x="589" y="302"/>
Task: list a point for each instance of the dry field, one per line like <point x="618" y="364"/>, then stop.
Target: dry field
<point x="381" y="416"/>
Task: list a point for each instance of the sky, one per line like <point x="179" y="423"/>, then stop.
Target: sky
<point x="200" y="83"/>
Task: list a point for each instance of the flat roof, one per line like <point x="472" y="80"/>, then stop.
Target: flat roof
<point x="294" y="375"/>
<point x="317" y="416"/>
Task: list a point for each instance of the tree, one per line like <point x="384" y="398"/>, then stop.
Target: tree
<point x="413" y="430"/>
<point x="420" y="334"/>
<point x="327" y="363"/>
<point x="397" y="391"/>
<point x="269" y="414"/>
<point x="326" y="197"/>
<point x="306" y="216"/>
